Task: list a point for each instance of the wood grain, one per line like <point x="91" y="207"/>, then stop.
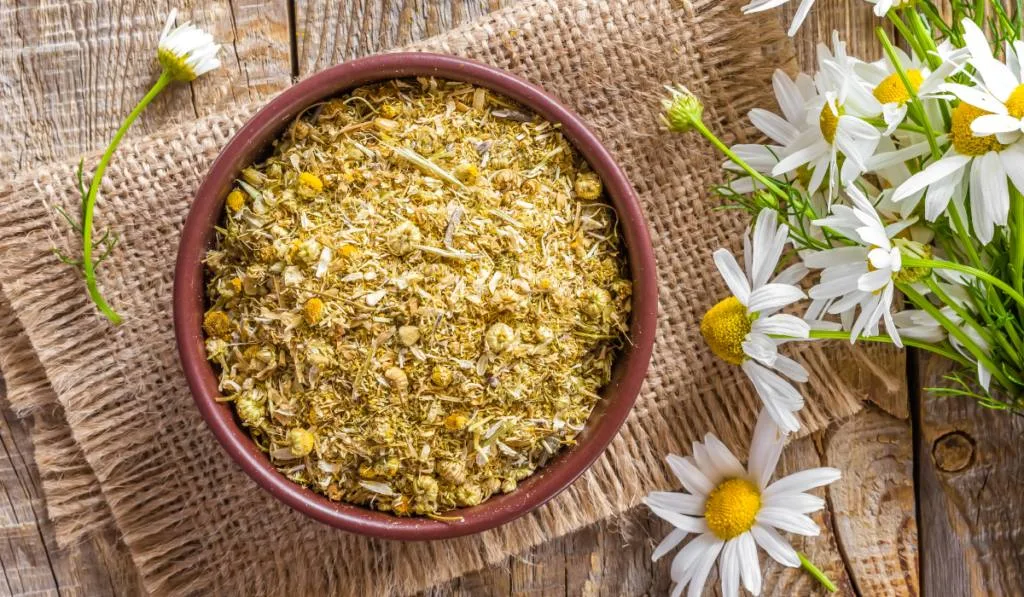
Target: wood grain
<point x="73" y="70"/>
<point x="868" y="541"/>
<point x="971" y="465"/>
<point x="30" y="562"/>
<point x="328" y="33"/>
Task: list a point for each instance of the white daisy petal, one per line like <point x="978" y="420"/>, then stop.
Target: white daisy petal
<point x="733" y="275"/>
<point x="775" y="546"/>
<point x="804" y="503"/>
<point x="994" y="190"/>
<point x="765" y="449"/>
<point x="933" y="173"/>
<point x="774" y="126"/>
<point x="773" y="296"/>
<point x="990" y="124"/>
<point x="872" y="281"/>
<point x="1013" y="163"/>
<point x="723" y="458"/>
<point x="975" y="97"/>
<point x="787" y="520"/>
<point x="788" y="94"/>
<point x="690" y="524"/>
<point x="674" y="538"/>
<point x="695" y="481"/>
<point x="781" y="324"/>
<point x="803" y="480"/>
<point x="703" y="568"/>
<point x="791" y="368"/>
<point x="760" y="348"/>
<point x="780" y="399"/>
<point x="999" y="79"/>
<point x="801" y="13"/>
<point x="690" y="556"/>
<point x="682" y="503"/>
<point x="729" y="569"/>
<point x="750" y="568"/>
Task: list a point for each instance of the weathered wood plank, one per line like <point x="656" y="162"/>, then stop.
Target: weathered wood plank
<point x="873" y="507"/>
<point x="971" y="464"/>
<point x="868" y="543"/>
<point x="72" y="71"/>
<point x="30" y="560"/>
<point x="332" y="32"/>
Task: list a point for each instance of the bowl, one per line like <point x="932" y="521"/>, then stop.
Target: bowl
<point x="253" y="142"/>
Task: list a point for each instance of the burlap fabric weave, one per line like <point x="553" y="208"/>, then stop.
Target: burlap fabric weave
<point x="134" y="454"/>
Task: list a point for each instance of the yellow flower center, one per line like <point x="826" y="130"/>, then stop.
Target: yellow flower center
<point x="964" y="141"/>
<point x="829" y="121"/>
<point x="175" y="65"/>
<point x="892" y="90"/>
<point x="724" y="328"/>
<point x="1015" y="103"/>
<point x="731" y="508"/>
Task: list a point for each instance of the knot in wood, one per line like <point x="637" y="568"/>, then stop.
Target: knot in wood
<point x="953" y="452"/>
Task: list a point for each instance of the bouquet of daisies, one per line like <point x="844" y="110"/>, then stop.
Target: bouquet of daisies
<point x="887" y="207"/>
<point x="887" y="179"/>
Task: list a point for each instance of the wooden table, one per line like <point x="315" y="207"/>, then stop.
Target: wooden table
<point x="934" y="505"/>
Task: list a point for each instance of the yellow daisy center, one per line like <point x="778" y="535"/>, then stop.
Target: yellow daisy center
<point x="892" y="90"/>
<point x="829" y="121"/>
<point x="724" y="328"/>
<point x="731" y="508"/>
<point x="964" y="141"/>
<point x="175" y="65"/>
<point x="1015" y="103"/>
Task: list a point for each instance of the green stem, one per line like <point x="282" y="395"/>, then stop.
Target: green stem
<point x="761" y="178"/>
<point x="1017" y="205"/>
<point x="816" y="573"/>
<point x="942" y="351"/>
<point x="88" y="265"/>
<point x="906" y="33"/>
<point x="965" y="238"/>
<point x="915" y="103"/>
<point x="924" y="37"/>
<point x="965" y="269"/>
<point x="955" y="331"/>
<point x="967" y="318"/>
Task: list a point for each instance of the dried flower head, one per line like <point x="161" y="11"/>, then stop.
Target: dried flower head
<point x="186" y="52"/>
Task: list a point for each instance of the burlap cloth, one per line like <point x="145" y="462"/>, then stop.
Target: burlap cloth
<point x="121" y="445"/>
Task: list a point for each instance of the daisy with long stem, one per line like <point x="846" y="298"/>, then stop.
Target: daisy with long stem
<point x="184" y="53"/>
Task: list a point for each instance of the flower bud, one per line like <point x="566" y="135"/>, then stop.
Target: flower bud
<point x="682" y="109"/>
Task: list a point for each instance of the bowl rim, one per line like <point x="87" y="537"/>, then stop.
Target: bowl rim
<point x="251" y="141"/>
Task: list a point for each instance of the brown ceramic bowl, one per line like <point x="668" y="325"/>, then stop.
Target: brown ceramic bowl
<point x="253" y="142"/>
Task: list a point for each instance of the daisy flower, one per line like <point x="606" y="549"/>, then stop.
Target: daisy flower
<point x="798" y="19"/>
<point x="186" y="52"/>
<point x="982" y="165"/>
<point x="834" y="125"/>
<point x="741" y="328"/>
<point x="984" y="156"/>
<point x="734" y="510"/>
<point x="863" y="275"/>
<point x="792" y="95"/>
<point x="885" y="84"/>
<point x="999" y="89"/>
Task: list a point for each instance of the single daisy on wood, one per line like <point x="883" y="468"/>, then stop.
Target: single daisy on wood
<point x="733" y="510"/>
<point x="184" y="53"/>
